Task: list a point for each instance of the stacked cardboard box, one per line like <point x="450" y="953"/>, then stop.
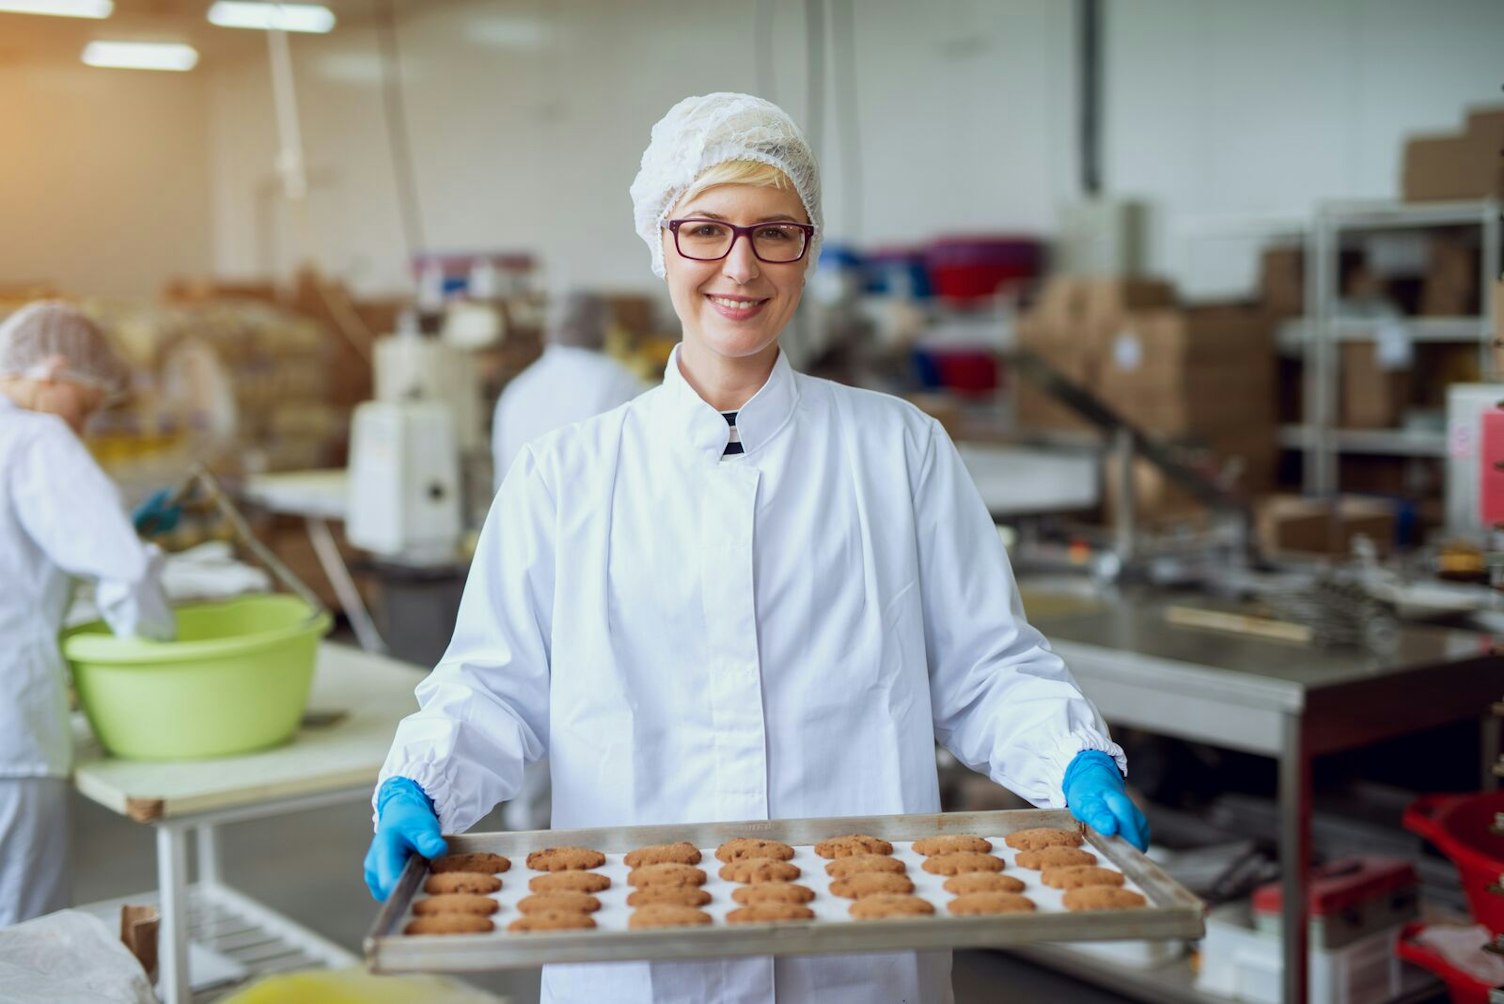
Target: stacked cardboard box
<point x="1450" y="287"/>
<point x="1373" y="396"/>
<point x="1465" y="165"/>
<point x="1203" y="377"/>
<point x="1291" y="524"/>
<point x="1068" y="328"/>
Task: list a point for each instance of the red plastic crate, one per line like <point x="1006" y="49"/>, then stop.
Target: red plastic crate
<point x="1461" y="828"/>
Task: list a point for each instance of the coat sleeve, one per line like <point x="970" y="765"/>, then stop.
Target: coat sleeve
<point x="1003" y="703"/>
<point x="483" y="711"/>
<point x="72" y="511"/>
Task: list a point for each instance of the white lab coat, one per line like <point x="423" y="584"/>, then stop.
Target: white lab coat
<point x="783" y="634"/>
<point x="60" y="517"/>
<point x="563" y="386"/>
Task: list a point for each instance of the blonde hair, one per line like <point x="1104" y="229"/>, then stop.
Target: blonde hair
<point x="737" y="172"/>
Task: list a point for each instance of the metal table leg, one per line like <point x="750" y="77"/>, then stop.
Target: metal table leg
<point x="1294" y="856"/>
<point x="172" y="885"/>
<point x="344" y="586"/>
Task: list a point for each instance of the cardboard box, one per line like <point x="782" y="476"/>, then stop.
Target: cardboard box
<point x="1453" y="166"/>
<point x="1372" y="397"/>
<point x="1293" y="524"/>
<point x="1450" y="288"/>
<point x="1196" y="372"/>
<point x="1282" y="281"/>
<point x="1100" y="302"/>
<point x="1498" y="310"/>
<point x="1069" y="351"/>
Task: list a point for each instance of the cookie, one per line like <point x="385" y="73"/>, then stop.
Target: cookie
<point x="1102" y="897"/>
<point x="471" y="882"/>
<point x="964" y="861"/>
<point x="1054" y="857"/>
<point x="486" y="863"/>
<point x="1079" y="877"/>
<point x="668" y="873"/>
<point x="678" y="895"/>
<point x="753" y="847"/>
<point x="456" y="902"/>
<point x="565" y="859"/>
<point x="952" y="844"/>
<point x="772" y="892"/>
<point x="852" y="843"/>
<point x="684" y="853"/>
<point x="450" y="923"/>
<point x="972" y="882"/>
<point x="976" y="903"/>
<point x="870" y="884"/>
<point x="769" y="913"/>
<point x="844" y="867"/>
<point x="667" y="915"/>
<point x="1043" y="836"/>
<point x="552" y="920"/>
<point x="543" y="902"/>
<point x="890" y="905"/>
<point x="570" y="882"/>
<point x="759" y="870"/>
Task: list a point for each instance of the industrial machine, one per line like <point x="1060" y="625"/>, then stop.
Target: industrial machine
<point x="405" y="486"/>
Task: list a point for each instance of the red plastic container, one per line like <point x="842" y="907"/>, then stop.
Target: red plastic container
<point x="1464" y="987"/>
<point x="1461" y="828"/>
<point x="972" y="268"/>
<point x="1349" y="899"/>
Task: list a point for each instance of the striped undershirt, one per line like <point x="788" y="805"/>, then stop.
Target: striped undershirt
<point x="734" y="444"/>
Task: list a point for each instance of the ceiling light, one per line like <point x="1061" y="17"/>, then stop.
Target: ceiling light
<point x="141" y="55"/>
<point x="286" y="16"/>
<point x="59" y="8"/>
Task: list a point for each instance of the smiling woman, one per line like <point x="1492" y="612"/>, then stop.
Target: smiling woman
<point x="745" y="594"/>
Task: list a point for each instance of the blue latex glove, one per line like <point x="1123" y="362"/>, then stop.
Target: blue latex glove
<point x="405" y="822"/>
<point x="1095" y="792"/>
<point x="158" y="514"/>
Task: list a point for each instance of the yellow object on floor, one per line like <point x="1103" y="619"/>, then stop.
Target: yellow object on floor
<point x="355" y="986"/>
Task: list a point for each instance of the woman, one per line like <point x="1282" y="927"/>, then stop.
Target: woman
<point x="60" y="519"/>
<point x="747" y="594"/>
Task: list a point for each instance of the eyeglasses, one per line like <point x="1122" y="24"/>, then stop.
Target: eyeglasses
<point x="712" y="240"/>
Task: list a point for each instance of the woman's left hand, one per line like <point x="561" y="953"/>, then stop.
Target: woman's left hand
<point x="1096" y="795"/>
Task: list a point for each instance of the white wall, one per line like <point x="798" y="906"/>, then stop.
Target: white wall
<point x="961" y="113"/>
<point x="965" y="110"/>
<point x="1259" y="108"/>
<point x="104" y="178"/>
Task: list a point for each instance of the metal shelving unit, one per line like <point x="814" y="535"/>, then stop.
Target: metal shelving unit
<point x="1318" y="334"/>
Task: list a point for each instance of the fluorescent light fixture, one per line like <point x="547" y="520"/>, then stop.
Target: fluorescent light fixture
<point x="59" y="8"/>
<point x="286" y="16"/>
<point x="141" y="55"/>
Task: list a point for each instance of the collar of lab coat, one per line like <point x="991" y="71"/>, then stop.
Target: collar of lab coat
<point x="758" y="421"/>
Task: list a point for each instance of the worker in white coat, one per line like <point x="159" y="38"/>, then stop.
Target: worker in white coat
<point x="60" y="519"/>
<point x="746" y="595"/>
<point x="574" y="379"/>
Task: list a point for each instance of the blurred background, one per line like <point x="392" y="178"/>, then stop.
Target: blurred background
<point x="1208" y="294"/>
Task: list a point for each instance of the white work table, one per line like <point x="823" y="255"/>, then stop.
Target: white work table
<point x="324" y="764"/>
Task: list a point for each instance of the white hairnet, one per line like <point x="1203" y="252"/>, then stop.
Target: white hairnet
<point x="701" y="132"/>
<point x="52" y="340"/>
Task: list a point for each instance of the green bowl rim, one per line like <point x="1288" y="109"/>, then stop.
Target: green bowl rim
<point x="79" y="643"/>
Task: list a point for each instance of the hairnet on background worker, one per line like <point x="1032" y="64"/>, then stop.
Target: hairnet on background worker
<point x="60" y="520"/>
<point x="746" y="595"/>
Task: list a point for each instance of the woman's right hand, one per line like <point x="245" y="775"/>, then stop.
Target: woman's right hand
<point x="405" y="823"/>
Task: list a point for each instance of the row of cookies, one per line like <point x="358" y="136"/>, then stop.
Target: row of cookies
<point x="459" y="891"/>
<point x="1064" y="864"/>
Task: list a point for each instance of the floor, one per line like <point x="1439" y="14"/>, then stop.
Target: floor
<point x="324" y="891"/>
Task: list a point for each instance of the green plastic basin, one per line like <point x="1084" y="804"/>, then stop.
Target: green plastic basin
<point x="235" y="680"/>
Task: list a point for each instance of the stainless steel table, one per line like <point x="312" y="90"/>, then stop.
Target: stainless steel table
<point x="1286" y="701"/>
<point x="328" y="765"/>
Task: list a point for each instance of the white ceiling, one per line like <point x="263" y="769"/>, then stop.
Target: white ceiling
<point x="32" y="38"/>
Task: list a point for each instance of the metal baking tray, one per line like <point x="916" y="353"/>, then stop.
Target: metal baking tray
<point x="1172" y="911"/>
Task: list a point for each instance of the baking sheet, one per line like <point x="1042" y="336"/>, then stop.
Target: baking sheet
<point x="1172" y="912"/>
